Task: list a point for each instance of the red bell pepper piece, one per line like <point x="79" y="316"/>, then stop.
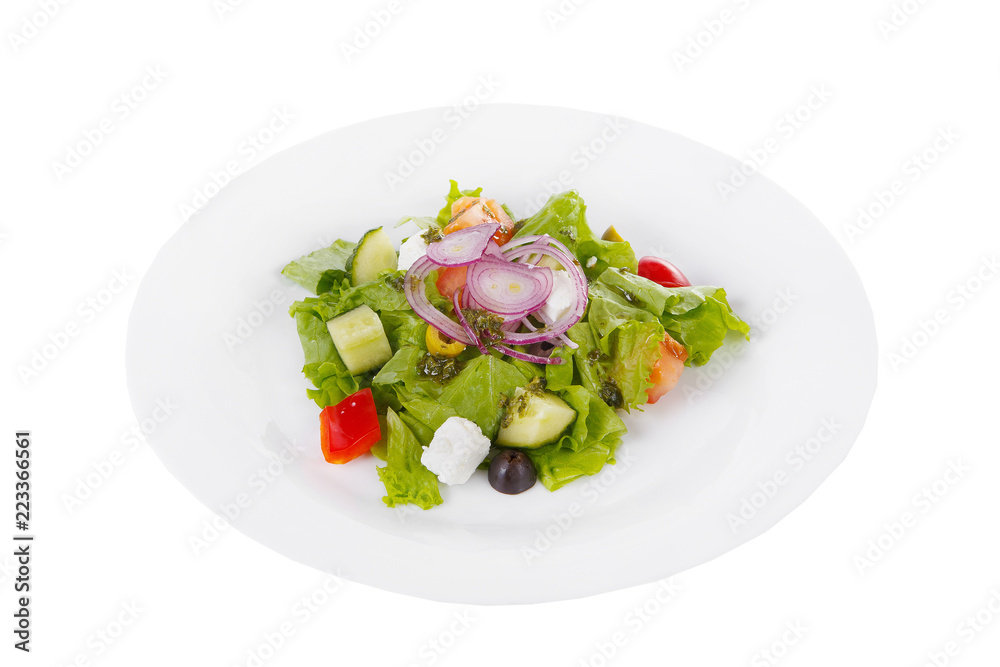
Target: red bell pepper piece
<point x="349" y="428"/>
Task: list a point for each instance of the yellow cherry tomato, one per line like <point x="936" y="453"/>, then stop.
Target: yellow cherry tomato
<point x="440" y="345"/>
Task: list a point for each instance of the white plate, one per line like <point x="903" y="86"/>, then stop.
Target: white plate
<point x="697" y="473"/>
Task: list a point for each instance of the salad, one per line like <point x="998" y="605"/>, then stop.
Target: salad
<point x="486" y="343"/>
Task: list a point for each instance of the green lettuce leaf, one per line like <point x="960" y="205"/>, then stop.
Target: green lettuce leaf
<point x="406" y="479"/>
<point x="478" y="393"/>
<point x="560" y="376"/>
<point x="403" y="327"/>
<point x="529" y="370"/>
<point x="480" y="390"/>
<point x="423" y="433"/>
<point x="632" y="350"/>
<point x="383" y="294"/>
<point x="623" y="358"/>
<point x="423" y="223"/>
<point x="400" y="378"/>
<point x="564" y="218"/>
<point x="697" y="317"/>
<point x="586" y="358"/>
<point x="703" y="329"/>
<point x="453" y="196"/>
<point x="427" y="411"/>
<point x="598" y="256"/>
<point x="323" y="366"/>
<point x="319" y="271"/>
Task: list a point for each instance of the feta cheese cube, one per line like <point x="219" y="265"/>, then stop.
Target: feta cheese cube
<point x="410" y="251"/>
<point x="457" y="449"/>
<point x="562" y="298"/>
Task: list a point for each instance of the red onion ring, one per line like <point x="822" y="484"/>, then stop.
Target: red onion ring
<point x="463" y="247"/>
<point x="416" y="295"/>
<point x="456" y="300"/>
<point x="547" y="245"/>
<point x="493" y="250"/>
<point x="565" y="339"/>
<point x="515" y="261"/>
<point x="533" y="358"/>
<point x="509" y="288"/>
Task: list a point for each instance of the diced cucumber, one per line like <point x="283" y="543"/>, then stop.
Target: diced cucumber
<point x="373" y="255"/>
<point x="542" y="420"/>
<point x="360" y="340"/>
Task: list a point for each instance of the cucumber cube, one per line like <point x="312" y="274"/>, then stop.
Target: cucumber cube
<point x="542" y="420"/>
<point x="360" y="340"/>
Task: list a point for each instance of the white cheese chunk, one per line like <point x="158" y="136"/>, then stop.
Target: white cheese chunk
<point x="410" y="251"/>
<point x="456" y="450"/>
<point x="563" y="297"/>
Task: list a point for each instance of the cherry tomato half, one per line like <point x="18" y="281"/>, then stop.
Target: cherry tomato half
<point x="667" y="369"/>
<point x="349" y="428"/>
<point x="480" y="211"/>
<point x="503" y="235"/>
<point x="450" y="279"/>
<point x="662" y="272"/>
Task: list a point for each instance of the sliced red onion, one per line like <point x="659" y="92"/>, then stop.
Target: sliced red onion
<point x="541" y="241"/>
<point x="526" y="240"/>
<point x="566" y="341"/>
<point x="563" y="337"/>
<point x="560" y="326"/>
<point x="530" y="326"/>
<point x="416" y="296"/>
<point x="516" y="246"/>
<point x="463" y="247"/>
<point x="493" y="250"/>
<point x="533" y="358"/>
<point x="547" y="245"/>
<point x="489" y="287"/>
<point x="509" y="288"/>
<point x="535" y="252"/>
<point x="456" y="300"/>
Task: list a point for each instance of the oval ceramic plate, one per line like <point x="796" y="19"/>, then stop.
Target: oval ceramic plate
<point x="733" y="449"/>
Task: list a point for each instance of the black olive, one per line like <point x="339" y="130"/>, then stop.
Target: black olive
<point x="512" y="472"/>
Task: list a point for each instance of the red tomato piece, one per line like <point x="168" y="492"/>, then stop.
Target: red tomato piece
<point x="503" y="235"/>
<point x="472" y="211"/>
<point x="349" y="428"/>
<point x="450" y="279"/>
<point x="668" y="368"/>
<point x="662" y="272"/>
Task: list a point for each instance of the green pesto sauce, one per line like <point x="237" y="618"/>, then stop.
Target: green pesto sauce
<point x="432" y="235"/>
<point x="439" y="369"/>
<point x="611" y="394"/>
<point x="596" y="357"/>
<point x="518" y="405"/>
<point x="485" y="325"/>
<point x="396" y="282"/>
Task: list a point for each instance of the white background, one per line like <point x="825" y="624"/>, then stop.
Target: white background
<point x="63" y="237"/>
